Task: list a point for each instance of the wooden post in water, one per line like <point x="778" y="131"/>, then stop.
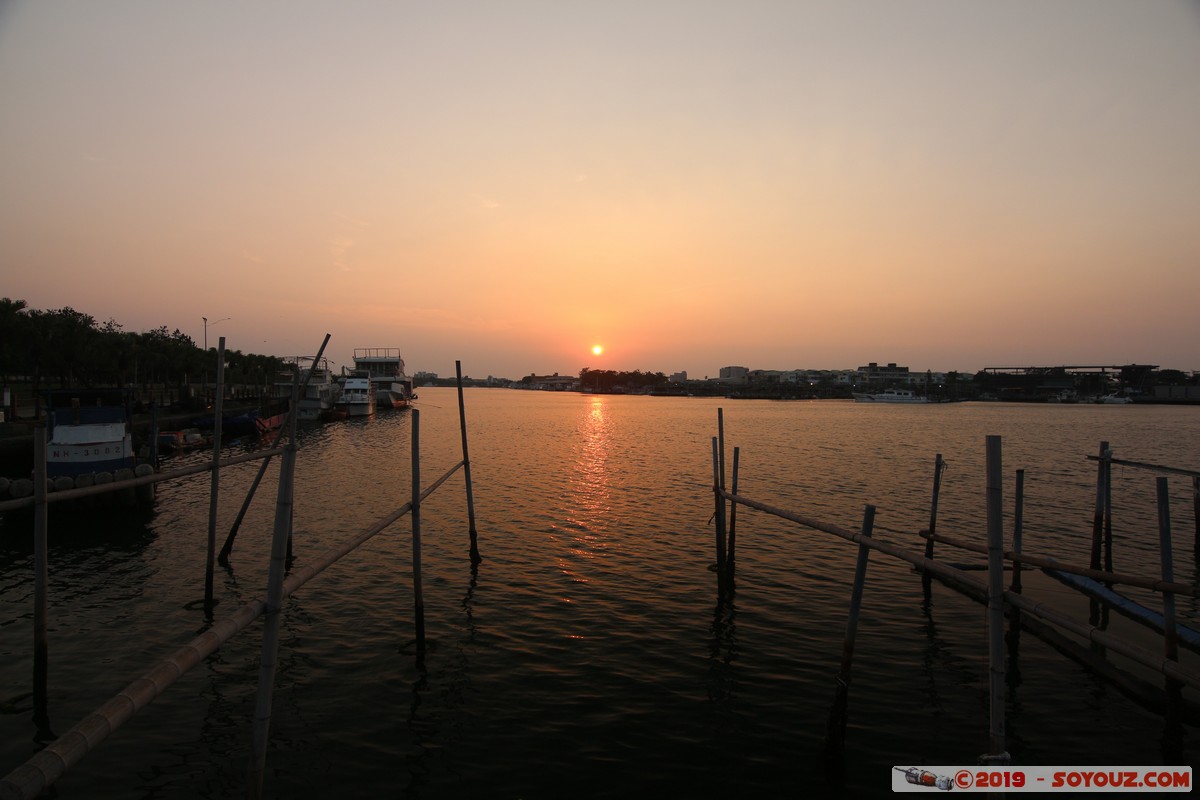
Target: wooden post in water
<point x="1018" y="529"/>
<point x="418" y="592"/>
<point x="41" y="589"/>
<point x="227" y="548"/>
<point x="719" y="517"/>
<point x="293" y="419"/>
<point x="836" y="732"/>
<point x="1098" y="515"/>
<point x="274" y="601"/>
<point x="721" y="440"/>
<point x="1174" y="689"/>
<point x="1196" y="513"/>
<point x="1108" y="533"/>
<point x="938" y="466"/>
<point x="856" y="593"/>
<point x="1170" y="632"/>
<point x="462" y="425"/>
<point x="995" y="534"/>
<point x="723" y="565"/>
<point x="729" y="556"/>
<point x="218" y="410"/>
<point x="154" y="434"/>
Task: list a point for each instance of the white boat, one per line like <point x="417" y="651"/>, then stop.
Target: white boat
<point x="89" y="432"/>
<point x="385" y="367"/>
<point x="320" y="395"/>
<point x="358" y="395"/>
<point x="890" y="396"/>
<point x="1115" y="399"/>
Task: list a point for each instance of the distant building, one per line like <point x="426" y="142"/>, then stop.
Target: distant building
<point x="678" y="377"/>
<point x="874" y="375"/>
<point x="553" y="383"/>
<point x="734" y="374"/>
<point x="425" y="376"/>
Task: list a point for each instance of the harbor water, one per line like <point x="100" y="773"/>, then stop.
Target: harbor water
<point x="587" y="655"/>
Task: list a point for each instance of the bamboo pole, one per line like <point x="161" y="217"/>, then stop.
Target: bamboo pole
<point x="227" y="548"/>
<point x="1191" y="473"/>
<point x="978" y="588"/>
<point x="1098" y="515"/>
<point x="731" y="550"/>
<point x="418" y="591"/>
<point x="154" y="434"/>
<point x="721" y="439"/>
<point x="274" y="602"/>
<point x="995" y="531"/>
<point x="293" y="422"/>
<point x="41" y="771"/>
<point x="1108" y="532"/>
<point x="719" y="517"/>
<point x="836" y="731"/>
<point x="1018" y="528"/>
<point x="1154" y="584"/>
<point x="1171" y="635"/>
<point x="141" y="480"/>
<point x="462" y="425"/>
<point x="938" y="466"/>
<point x="1196" y="515"/>
<point x="41" y="587"/>
<point x="215" y="480"/>
<point x="856" y="594"/>
<point x="723" y="566"/>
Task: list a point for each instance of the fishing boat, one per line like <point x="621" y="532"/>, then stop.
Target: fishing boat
<point x="320" y="393"/>
<point x="385" y="368"/>
<point x="181" y="440"/>
<point x="358" y="395"/>
<point x="890" y="396"/>
<point x="89" y="430"/>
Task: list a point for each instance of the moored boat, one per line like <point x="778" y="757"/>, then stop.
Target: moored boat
<point x="358" y="395"/>
<point x="90" y="443"/>
<point x="89" y="431"/>
<point x="183" y="439"/>
<point x="890" y="396"/>
<point x="320" y="393"/>
<point x="385" y="368"/>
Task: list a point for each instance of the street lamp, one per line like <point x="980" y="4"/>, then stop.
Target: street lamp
<point x="222" y="319"/>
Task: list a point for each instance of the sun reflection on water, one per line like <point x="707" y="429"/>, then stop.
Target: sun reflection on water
<point x="587" y="504"/>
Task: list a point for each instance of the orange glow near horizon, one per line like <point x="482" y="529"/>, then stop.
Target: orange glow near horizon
<point x="700" y="196"/>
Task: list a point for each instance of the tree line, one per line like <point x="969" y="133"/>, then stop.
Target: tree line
<point x="604" y="380"/>
<point x="70" y="348"/>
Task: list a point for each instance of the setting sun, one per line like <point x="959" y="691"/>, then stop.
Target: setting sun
<point x="597" y="350"/>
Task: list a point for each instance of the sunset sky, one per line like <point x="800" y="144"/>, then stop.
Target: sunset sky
<point x="944" y="184"/>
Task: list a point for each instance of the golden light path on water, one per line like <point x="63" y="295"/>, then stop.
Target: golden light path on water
<point x="587" y="650"/>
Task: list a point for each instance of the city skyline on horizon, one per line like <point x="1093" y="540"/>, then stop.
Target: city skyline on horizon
<point x="688" y="185"/>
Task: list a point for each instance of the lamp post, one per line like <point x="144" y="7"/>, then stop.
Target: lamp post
<point x="222" y="319"/>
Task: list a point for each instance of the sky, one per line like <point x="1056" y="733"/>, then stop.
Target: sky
<point x="776" y="184"/>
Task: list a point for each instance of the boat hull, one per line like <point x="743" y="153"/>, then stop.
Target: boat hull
<point x="80" y="458"/>
<point x="907" y="398"/>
